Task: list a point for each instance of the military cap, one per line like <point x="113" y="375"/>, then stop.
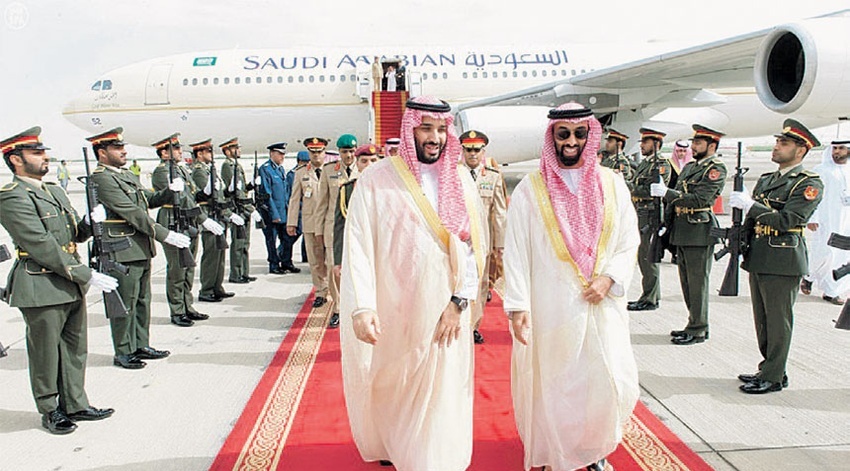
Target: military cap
<point x="475" y="139"/>
<point x="646" y="133"/>
<point x="346" y="141"/>
<point x="279" y="146"/>
<point x="393" y="142"/>
<point x="315" y="143"/>
<point x="28" y="139"/>
<point x="233" y="142"/>
<point x="302" y="156"/>
<point x="617" y="135"/>
<point x="703" y="132"/>
<point x="172" y="140"/>
<point x="795" y="130"/>
<point x="202" y="145"/>
<point x="366" y="149"/>
<point x="113" y="137"/>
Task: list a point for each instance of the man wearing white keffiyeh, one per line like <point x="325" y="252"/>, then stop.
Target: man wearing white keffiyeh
<point x="570" y="251"/>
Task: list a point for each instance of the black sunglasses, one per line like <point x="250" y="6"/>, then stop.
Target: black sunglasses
<point x="580" y="133"/>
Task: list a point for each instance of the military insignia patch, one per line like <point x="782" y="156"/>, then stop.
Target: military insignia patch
<point x="714" y="174"/>
<point x="662" y="170"/>
<point x="810" y="193"/>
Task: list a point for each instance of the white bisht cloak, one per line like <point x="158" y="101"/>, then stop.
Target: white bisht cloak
<point x="409" y="401"/>
<point x="831" y="215"/>
<point x="576" y="383"/>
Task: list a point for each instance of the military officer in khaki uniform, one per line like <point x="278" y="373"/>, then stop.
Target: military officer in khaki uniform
<point x="777" y="211"/>
<point x="127" y="203"/>
<point x="236" y="188"/>
<point x="171" y="174"/>
<point x="491" y="188"/>
<point x="615" y="158"/>
<point x="215" y="206"/>
<point x="48" y="283"/>
<point x="646" y="207"/>
<point x="689" y="216"/>
<point x="304" y="189"/>
<point x="364" y="156"/>
<point x="334" y="175"/>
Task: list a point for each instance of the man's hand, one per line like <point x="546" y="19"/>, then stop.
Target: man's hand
<point x="448" y="328"/>
<point x="521" y="323"/>
<point x="658" y="189"/>
<point x="812" y="226"/>
<point x="177" y="186"/>
<point x="290" y="231"/>
<point x="367" y="327"/>
<point x="598" y="289"/>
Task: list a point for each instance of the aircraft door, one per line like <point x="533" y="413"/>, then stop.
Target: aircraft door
<point x="364" y="83"/>
<point x="414" y="83"/>
<point x="156" y="90"/>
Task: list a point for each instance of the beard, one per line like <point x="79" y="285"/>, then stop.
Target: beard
<point x="699" y="155"/>
<point x="35" y="168"/>
<point x="423" y="157"/>
<point x="568" y="161"/>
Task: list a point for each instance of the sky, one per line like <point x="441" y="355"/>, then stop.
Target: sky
<point x="53" y="49"/>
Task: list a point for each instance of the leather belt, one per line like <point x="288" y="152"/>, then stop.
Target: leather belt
<point x="680" y="210"/>
<point x="71" y="248"/>
<point x="637" y="199"/>
<point x="762" y="230"/>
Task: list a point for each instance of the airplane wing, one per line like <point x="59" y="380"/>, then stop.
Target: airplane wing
<point x="679" y="78"/>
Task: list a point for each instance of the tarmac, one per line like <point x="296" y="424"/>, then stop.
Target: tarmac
<point x="176" y="413"/>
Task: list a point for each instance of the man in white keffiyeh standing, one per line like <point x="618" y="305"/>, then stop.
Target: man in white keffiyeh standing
<point x="414" y="247"/>
<point x="570" y="251"/>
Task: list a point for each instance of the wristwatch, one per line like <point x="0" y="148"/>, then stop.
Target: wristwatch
<point x="460" y="302"/>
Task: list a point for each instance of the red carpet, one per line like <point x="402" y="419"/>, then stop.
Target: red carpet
<point x="296" y="418"/>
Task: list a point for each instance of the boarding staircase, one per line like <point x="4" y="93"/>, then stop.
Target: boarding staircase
<point x="387" y="108"/>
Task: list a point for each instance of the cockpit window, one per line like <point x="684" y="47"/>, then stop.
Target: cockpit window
<point x="96" y="86"/>
<point x="107" y="85"/>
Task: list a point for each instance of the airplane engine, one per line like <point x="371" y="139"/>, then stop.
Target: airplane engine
<point x="515" y="132"/>
<point x="805" y="68"/>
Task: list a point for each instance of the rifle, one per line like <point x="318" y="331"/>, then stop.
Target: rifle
<point x="656" y="225"/>
<point x="734" y="242"/>
<point x="258" y="199"/>
<point x="240" y="232"/>
<point x="214" y="206"/>
<point x="180" y="219"/>
<point x="4" y="255"/>
<point x="841" y="242"/>
<point x="100" y="258"/>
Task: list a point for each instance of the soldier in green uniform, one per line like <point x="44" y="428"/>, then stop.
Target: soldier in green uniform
<point x="236" y="188"/>
<point x="364" y="156"/>
<point x="777" y="258"/>
<point x="615" y="158"/>
<point x="48" y="283"/>
<point x="170" y="174"/>
<point x="689" y="216"/>
<point x="646" y="206"/>
<point x="127" y="203"/>
<point x="212" y="259"/>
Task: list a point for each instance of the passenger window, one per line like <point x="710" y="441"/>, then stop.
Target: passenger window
<point x="194" y="81"/>
<point x="525" y="73"/>
<point x="342" y="78"/>
<point x="268" y="80"/>
<point x="534" y="73"/>
<point x="543" y="73"/>
<point x="475" y="75"/>
<point x="465" y="75"/>
<point x="206" y="81"/>
<point x="300" y="79"/>
<point x="185" y="82"/>
<point x="312" y="79"/>
<point x="279" y="79"/>
<point x="247" y="80"/>
<point x="290" y="79"/>
<point x="96" y="86"/>
<point x="236" y="81"/>
<point x="322" y="78"/>
<point x="514" y="74"/>
<point x="445" y="76"/>
<point x="332" y="78"/>
<point x="215" y="81"/>
<point x="483" y="74"/>
<point x="227" y="80"/>
<point x="505" y="74"/>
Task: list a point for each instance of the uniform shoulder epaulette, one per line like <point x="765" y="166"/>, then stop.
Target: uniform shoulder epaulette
<point x="492" y="168"/>
<point x="197" y="165"/>
<point x="162" y="164"/>
<point x="300" y="167"/>
<point x="810" y="173"/>
<point x="9" y="186"/>
<point x="98" y="169"/>
<point x="330" y="163"/>
<point x="766" y="174"/>
<point x="50" y="183"/>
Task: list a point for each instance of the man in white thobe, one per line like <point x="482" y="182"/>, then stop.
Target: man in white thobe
<point x="414" y="247"/>
<point x="832" y="215"/>
<point x="570" y="251"/>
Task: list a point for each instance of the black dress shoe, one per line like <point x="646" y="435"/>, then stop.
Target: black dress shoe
<point x="334" y="322"/>
<point x="197" y="316"/>
<point x="837" y="300"/>
<point x="748" y="378"/>
<point x="57" y="423"/>
<point x="240" y="281"/>
<point x="90" y="413"/>
<point x="225" y="294"/>
<point x="477" y="337"/>
<point x="291" y="269"/>
<point x="489" y="295"/>
<point x="760" y="386"/>
<point x="277" y="271"/>
<point x="677" y="333"/>
<point x="688" y="339"/>
<point x="149" y="353"/>
<point x="182" y="320"/>
<point x="385" y="462"/>
<point x="129" y="362"/>
<point x="249" y="279"/>
<point x="319" y="301"/>
<point x="642" y="306"/>
<point x="209" y="298"/>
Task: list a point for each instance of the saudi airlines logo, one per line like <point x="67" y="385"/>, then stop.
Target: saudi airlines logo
<point x="204" y="62"/>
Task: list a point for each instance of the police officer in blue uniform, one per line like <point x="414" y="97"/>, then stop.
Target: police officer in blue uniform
<point x="273" y="196"/>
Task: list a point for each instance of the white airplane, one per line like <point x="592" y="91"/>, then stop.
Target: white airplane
<point x="265" y="96"/>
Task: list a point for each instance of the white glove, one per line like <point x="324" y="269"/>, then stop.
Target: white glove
<point x="98" y="215"/>
<point x="741" y="200"/>
<point x="177" y="239"/>
<point x="177" y="186"/>
<point x="658" y="189"/>
<point x="102" y="282"/>
<point x="208" y="187"/>
<point x="237" y="219"/>
<point x="258" y="180"/>
<point x="255" y="216"/>
<point x="212" y="226"/>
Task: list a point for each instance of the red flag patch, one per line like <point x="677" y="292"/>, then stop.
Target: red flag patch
<point x="714" y="174"/>
<point x="810" y="193"/>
